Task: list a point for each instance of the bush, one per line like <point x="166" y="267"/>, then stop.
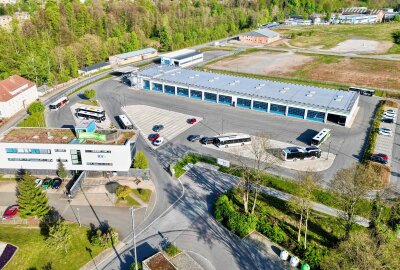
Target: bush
<point x="141" y="161"/>
<point x="313" y="255"/>
<point x="122" y="192"/>
<point x="396" y="37"/>
<point x="172" y="250"/>
<point x="36" y="107"/>
<point x="140" y="267"/>
<point x="104" y="237"/>
<point x="223" y="208"/>
<point x="89" y="93"/>
<point x="374" y="132"/>
<point x="242" y="224"/>
<point x="273" y="232"/>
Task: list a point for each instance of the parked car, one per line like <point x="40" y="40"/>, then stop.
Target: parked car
<point x="390" y="114"/>
<point x="385" y="131"/>
<point x="191" y="121"/>
<point x="384" y="156"/>
<point x="193" y="138"/>
<point x="388" y="120"/>
<point x="378" y="159"/>
<point x="11" y="212"/>
<point x="207" y="140"/>
<point x="154" y="136"/>
<point x="158" y="128"/>
<point x="47" y="183"/>
<point x="390" y="110"/>
<point x="38" y="182"/>
<point x="159" y="141"/>
<point x="56" y="183"/>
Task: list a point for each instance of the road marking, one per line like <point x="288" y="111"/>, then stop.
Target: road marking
<point x="198" y="254"/>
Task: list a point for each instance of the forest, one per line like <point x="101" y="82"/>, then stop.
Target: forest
<point x="64" y="35"/>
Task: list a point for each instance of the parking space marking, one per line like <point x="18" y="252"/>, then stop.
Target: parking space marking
<point x="384" y="144"/>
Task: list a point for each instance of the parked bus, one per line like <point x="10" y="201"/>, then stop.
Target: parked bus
<point x="91" y="110"/>
<point x="58" y="104"/>
<point x="299" y="153"/>
<point x="322" y="136"/>
<point x="124" y="122"/>
<point x="98" y="117"/>
<point x="232" y="140"/>
<point x="362" y="91"/>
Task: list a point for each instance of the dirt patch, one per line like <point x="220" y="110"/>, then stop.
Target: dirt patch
<point x="362" y="46"/>
<point x="264" y="63"/>
<point x="363" y="72"/>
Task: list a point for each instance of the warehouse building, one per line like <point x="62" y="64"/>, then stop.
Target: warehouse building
<point x="260" y="36"/>
<point x="300" y="101"/>
<point x="182" y="58"/>
<point x="134" y="56"/>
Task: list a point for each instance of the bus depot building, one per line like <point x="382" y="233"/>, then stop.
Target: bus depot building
<point x="81" y="149"/>
<point x="292" y="100"/>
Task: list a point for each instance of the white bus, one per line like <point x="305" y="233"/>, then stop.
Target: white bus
<point x="98" y="117"/>
<point x="58" y="104"/>
<point x="232" y="140"/>
<point x="124" y="122"/>
<point x="299" y="153"/>
<point x="322" y="136"/>
<point x="91" y="110"/>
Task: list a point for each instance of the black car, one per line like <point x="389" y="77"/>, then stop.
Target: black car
<point x="207" y="140"/>
<point x="56" y="184"/>
<point x="388" y="120"/>
<point x="378" y="159"/>
<point x="193" y="138"/>
<point x="158" y="128"/>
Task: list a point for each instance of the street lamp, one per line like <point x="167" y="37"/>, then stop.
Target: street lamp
<point x="133" y="232"/>
<point x="79" y="217"/>
<point x="329" y="150"/>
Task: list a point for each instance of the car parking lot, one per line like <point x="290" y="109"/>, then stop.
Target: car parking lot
<point x="384" y="141"/>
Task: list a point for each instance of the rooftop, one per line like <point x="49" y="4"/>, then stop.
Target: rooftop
<point x="263" y="32"/>
<point x="284" y="93"/>
<point x="12" y="86"/>
<point x="187" y="55"/>
<point x="178" y="53"/>
<point x="62" y="136"/>
<point x="159" y="262"/>
<point x="94" y="67"/>
<point x="136" y="53"/>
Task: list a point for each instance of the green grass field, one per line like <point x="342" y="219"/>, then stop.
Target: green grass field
<point x="143" y="194"/>
<point x="33" y="253"/>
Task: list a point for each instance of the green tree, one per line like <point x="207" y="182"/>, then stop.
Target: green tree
<point x="122" y="192"/>
<point x="36" y="107"/>
<point x="59" y="236"/>
<point x="62" y="172"/>
<point x="396" y="18"/>
<point x="140" y="161"/>
<point x="133" y="266"/>
<point x="396" y="37"/>
<point x="394" y="219"/>
<point x="165" y="39"/>
<point x="89" y="93"/>
<point x="31" y="200"/>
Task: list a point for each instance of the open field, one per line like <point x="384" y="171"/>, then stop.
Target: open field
<point x="328" y="36"/>
<point x="381" y="74"/>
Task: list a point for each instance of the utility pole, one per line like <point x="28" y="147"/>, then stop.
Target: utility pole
<point x="133" y="233"/>
<point x="329" y="150"/>
<point x="79" y="217"/>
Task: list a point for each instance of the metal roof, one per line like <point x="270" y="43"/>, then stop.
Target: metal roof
<point x="263" y="32"/>
<point x="184" y="56"/>
<point x="135" y="53"/>
<point x="295" y="95"/>
<point x="95" y="66"/>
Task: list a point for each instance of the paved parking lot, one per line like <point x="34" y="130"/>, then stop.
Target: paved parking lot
<point x="145" y="117"/>
<point x="104" y="125"/>
<point x="384" y="144"/>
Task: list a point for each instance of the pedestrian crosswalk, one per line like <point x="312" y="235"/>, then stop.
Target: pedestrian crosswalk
<point x="145" y="117"/>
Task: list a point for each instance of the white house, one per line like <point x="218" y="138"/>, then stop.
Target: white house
<point x="16" y="93"/>
<point x="182" y="58"/>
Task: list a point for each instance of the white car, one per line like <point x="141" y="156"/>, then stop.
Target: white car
<point x="390" y="114"/>
<point x="385" y="131"/>
<point x="159" y="141"/>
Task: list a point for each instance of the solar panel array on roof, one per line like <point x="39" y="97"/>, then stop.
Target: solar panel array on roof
<point x="285" y="93"/>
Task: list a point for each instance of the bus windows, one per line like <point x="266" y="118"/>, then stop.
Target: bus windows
<point x="124" y="122"/>
<point x="58" y="104"/>
<point x="322" y="136"/>
<point x="299" y="153"/>
<point x="232" y="140"/>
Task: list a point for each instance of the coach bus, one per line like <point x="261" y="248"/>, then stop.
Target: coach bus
<point x="299" y="153"/>
<point x="58" y="104"/>
<point x="124" y="122"/>
<point x="362" y="91"/>
<point x="322" y="136"/>
<point x="232" y="140"/>
<point x="98" y="117"/>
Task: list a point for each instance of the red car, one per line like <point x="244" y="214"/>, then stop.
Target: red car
<point x="154" y="136"/>
<point x="191" y="120"/>
<point x="10" y="212"/>
<point x="383" y="156"/>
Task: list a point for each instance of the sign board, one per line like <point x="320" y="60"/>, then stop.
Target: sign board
<point x="92" y="136"/>
<point x="223" y="162"/>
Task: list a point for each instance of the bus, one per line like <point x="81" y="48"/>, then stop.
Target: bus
<point x="232" y="140"/>
<point x="322" y="136"/>
<point x="299" y="153"/>
<point x="98" y="117"/>
<point x="58" y="104"/>
<point x="91" y="110"/>
<point x="362" y="91"/>
<point x="124" y="122"/>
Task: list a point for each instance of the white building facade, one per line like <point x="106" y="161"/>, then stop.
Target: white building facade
<point x="182" y="58"/>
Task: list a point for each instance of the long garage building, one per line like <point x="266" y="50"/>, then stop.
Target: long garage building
<point x="294" y="100"/>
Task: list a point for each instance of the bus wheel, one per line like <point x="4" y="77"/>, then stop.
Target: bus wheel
<point x="295" y="159"/>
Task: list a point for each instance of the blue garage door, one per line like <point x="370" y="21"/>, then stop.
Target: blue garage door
<point x="225" y="99"/>
<point x="260" y="106"/>
<point x="210" y="97"/>
<point x="277" y="109"/>
<point x="146" y="85"/>
<point x="184" y="92"/>
<point x="315" y="116"/>
<point x="157" y="87"/>
<point x="296" y="112"/>
<point x="243" y="103"/>
<point x="195" y="94"/>
<point x="169" y="89"/>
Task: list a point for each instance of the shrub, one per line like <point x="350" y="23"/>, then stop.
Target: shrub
<point x="273" y="232"/>
<point x="89" y="93"/>
<point x="172" y="250"/>
<point x="313" y="255"/>
<point x="223" y="208"/>
<point x="374" y="132"/>
<point x="396" y="37"/>
<point x="133" y="266"/>
<point x="242" y="224"/>
<point x="141" y="161"/>
<point x="104" y="237"/>
<point x="122" y="192"/>
<point x="36" y="107"/>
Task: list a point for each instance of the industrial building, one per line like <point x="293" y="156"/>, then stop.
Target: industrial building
<point x="300" y="101"/>
<point x="81" y="149"/>
<point x="134" y="56"/>
<point x="358" y="15"/>
<point x="260" y="36"/>
<point x="182" y="58"/>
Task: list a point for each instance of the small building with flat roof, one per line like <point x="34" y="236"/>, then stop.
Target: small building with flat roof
<point x="134" y="56"/>
<point x="182" y="58"/>
<point x="84" y="71"/>
<point x="260" y="36"/>
<point x="294" y="100"/>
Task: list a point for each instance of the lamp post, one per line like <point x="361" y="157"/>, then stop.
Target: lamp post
<point x="79" y="217"/>
<point x="329" y="150"/>
<point x="133" y="233"/>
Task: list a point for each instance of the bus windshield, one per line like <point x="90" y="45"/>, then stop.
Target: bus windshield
<point x="322" y="136"/>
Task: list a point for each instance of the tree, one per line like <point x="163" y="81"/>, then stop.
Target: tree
<point x="133" y="266"/>
<point x="140" y="161"/>
<point x="59" y="236"/>
<point x="394" y="219"/>
<point x="36" y="107"/>
<point x="165" y="39"/>
<point x="62" y="172"/>
<point x="122" y="192"/>
<point x="31" y="200"/>
<point x="396" y="37"/>
<point x="89" y="93"/>
<point x="351" y="186"/>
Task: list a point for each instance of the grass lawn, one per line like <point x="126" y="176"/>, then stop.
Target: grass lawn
<point x="4" y="178"/>
<point x="92" y="102"/>
<point x="34" y="120"/>
<point x="143" y="194"/>
<point x="129" y="201"/>
<point x="34" y="254"/>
